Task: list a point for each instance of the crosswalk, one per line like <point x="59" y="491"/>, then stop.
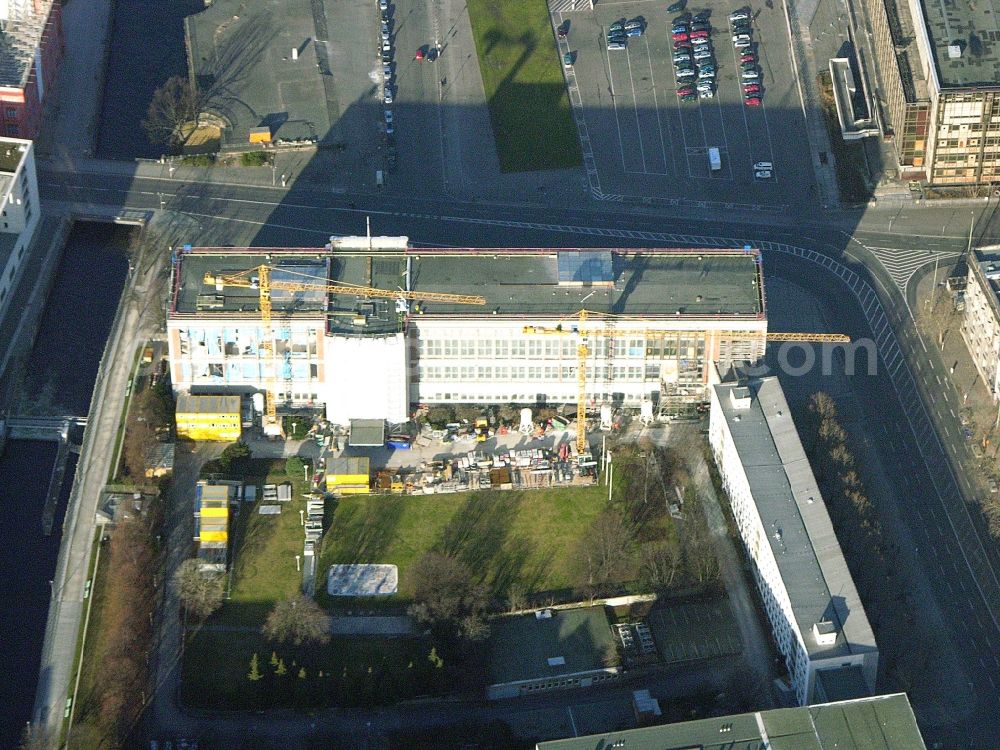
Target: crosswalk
<point x="902" y="263"/>
<point x="569" y="6"/>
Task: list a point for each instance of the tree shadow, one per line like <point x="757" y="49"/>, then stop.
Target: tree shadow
<point x="363" y="532"/>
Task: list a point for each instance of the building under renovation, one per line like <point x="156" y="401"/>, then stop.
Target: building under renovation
<point x="370" y="328"/>
<point x="31" y="49"/>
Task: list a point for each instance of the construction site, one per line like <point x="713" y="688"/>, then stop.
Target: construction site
<point x="368" y="327"/>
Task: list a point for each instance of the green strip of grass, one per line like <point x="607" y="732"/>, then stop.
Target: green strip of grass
<point x="528" y="539"/>
<point x="529" y="107"/>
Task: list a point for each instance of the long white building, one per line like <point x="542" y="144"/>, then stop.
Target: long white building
<point x="19" y="212"/>
<point x="656" y="320"/>
<point x="816" y="615"/>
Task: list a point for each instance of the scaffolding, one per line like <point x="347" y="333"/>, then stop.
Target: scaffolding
<point x="20" y="36"/>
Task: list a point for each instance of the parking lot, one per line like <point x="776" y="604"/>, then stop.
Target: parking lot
<point x="641" y="140"/>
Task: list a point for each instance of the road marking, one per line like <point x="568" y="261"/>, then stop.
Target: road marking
<point x="614" y="104"/>
<point x="572" y="721"/>
<point x="635" y="109"/>
<point x="659" y="124"/>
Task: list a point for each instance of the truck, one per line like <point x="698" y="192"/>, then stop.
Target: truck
<point x="714" y="159"/>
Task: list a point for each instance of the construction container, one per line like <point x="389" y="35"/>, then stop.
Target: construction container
<point x="215" y="418"/>
<point x="349" y="476"/>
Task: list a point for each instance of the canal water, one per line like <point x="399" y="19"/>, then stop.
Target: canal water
<point x="60" y="378"/>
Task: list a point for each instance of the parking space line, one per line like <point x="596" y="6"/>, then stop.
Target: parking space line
<point x="656" y="106"/>
<point x="635" y="110"/>
<point x="614" y="104"/>
<point x="739" y="99"/>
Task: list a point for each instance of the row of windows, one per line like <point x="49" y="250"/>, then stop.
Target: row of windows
<point x="568" y="682"/>
<point x="521" y="398"/>
<point x="537" y="372"/>
<point x="560" y="349"/>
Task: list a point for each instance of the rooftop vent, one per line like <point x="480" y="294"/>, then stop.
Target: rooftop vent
<point x="954" y="51"/>
<point x="556" y="661"/>
<point x="825" y="633"/>
<point x="740" y="398"/>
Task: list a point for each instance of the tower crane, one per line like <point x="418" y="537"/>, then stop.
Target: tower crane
<point x="259" y="277"/>
<point x="583" y="333"/>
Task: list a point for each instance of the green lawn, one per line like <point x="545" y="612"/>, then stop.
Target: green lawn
<point x="525" y="538"/>
<point x="264" y="550"/>
<point x="522" y="76"/>
<point x="345" y="672"/>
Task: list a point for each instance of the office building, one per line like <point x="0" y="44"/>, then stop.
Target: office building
<point x="815" y="613"/>
<point x="940" y="97"/>
<point x="656" y="319"/>
<point x="981" y="317"/>
<point x="19" y="212"/>
<point x="31" y="49"/>
<point x="885" y="722"/>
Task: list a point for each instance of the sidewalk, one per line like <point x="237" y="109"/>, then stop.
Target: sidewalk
<point x="70" y="124"/>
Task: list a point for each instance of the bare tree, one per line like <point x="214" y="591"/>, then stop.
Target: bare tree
<point x="606" y="550"/>
<point x="201" y="592"/>
<point x="297" y="620"/>
<point x="446" y="597"/>
<point x="173" y="113"/>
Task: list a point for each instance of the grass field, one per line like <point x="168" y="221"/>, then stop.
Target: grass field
<point x="522" y="76"/>
<point x="263" y="569"/>
<point x="347" y="671"/>
<point x="524" y="538"/>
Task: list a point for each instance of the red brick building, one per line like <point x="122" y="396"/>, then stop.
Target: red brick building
<point x="31" y="49"/>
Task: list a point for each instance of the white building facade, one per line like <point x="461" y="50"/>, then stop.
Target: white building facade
<point x="981" y="318"/>
<point x="19" y="212"/>
<point x="789" y="538"/>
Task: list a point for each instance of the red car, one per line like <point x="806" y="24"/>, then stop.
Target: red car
<point x="682" y="45"/>
<point x="751" y="88"/>
<point x="685" y="91"/>
<point x="753" y="101"/>
<point x="747" y="58"/>
<point x="697" y="35"/>
<point x="680" y="37"/>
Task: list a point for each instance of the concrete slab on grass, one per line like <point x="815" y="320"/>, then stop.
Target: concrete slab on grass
<point x="362" y="580"/>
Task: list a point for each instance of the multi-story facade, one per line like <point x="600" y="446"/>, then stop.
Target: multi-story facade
<point x="19" y="213"/>
<point x="981" y="318"/>
<point x="938" y="88"/>
<point x="656" y="320"/>
<point x="816" y="615"/>
<point x="31" y="49"/>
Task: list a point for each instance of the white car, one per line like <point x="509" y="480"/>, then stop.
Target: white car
<point x="383" y="4"/>
<point x="743" y="44"/>
<point x="706" y="75"/>
<point x="685" y="73"/>
<point x="741" y="38"/>
<point x="738" y="15"/>
<point x="702" y="54"/>
<point x="387" y="70"/>
<point x="699" y="41"/>
<point x="387" y="95"/>
<point x="762" y="174"/>
<point x="386" y="46"/>
<point x="750" y="75"/>
<point x="763" y="165"/>
<point x="706" y="93"/>
<point x="385" y="32"/>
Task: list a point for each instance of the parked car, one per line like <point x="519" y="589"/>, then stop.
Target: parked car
<point x="750" y="75"/>
<point x="706" y="75"/>
<point x="387" y="95"/>
<point x="705" y="86"/>
<point x="635" y="31"/>
<point x="680" y="28"/>
<point x="741" y="27"/>
<point x="752" y="102"/>
<point x="635" y="23"/>
<point x="677" y="6"/>
<point x="616" y="45"/>
<point x="739" y="15"/>
<point x="684" y="18"/>
<point x="618" y="26"/>
<point x="385" y="32"/>
<point x="703" y="15"/>
<point x="568" y="60"/>
<point x="680" y="37"/>
<point x="748" y="66"/>
<point x="699" y="35"/>
<point x="763" y="165"/>
<point x="741" y="38"/>
<point x="742" y="44"/>
<point x="700" y="27"/>
<point x="684" y="66"/>
<point x="763" y="174"/>
<point x="706" y="94"/>
<point x="707" y="70"/>
<point x="387" y="70"/>
<point x="751" y="88"/>
<point x="563" y="29"/>
<point x="689" y="98"/>
<point x="682" y="45"/>
<point x="685" y="90"/>
<point x="703" y="53"/>
<point x="748" y="57"/>
<point x="686" y="73"/>
<point x="682" y="56"/>
<point x="701" y="41"/>
<point x="383" y="4"/>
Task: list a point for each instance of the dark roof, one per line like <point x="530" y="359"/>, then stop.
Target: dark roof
<point x="367" y="432"/>
<point x="570" y="641"/>
<point x="884" y="722"/>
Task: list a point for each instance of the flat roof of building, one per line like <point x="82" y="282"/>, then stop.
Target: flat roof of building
<point x="20" y="40"/>
<point x="523" y="283"/>
<point x="988" y="267"/>
<point x="798" y="528"/>
<point x="884" y="722"/>
<point x="194" y="404"/>
<point x="964" y="37"/>
<point x="570" y="641"/>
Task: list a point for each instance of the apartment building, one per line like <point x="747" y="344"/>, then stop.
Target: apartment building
<point x="938" y="88"/>
<point x="655" y="321"/>
<point x="981" y="318"/>
<point x="815" y="613"/>
<point x="19" y="213"/>
<point x="31" y="50"/>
